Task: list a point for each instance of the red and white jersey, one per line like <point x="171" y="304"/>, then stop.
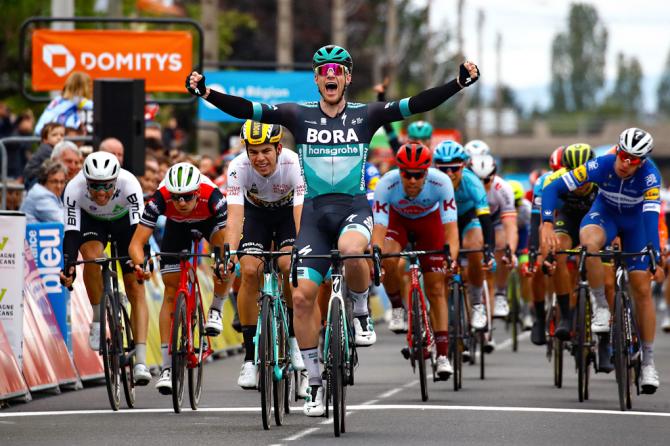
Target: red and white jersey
<point x="284" y="187"/>
<point x="501" y="199"/>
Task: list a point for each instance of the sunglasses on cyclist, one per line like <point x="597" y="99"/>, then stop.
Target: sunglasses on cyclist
<point x="629" y="159"/>
<point x="104" y="187"/>
<point x="183" y="197"/>
<point x="322" y="70"/>
<point x="446" y="168"/>
<point x="416" y="174"/>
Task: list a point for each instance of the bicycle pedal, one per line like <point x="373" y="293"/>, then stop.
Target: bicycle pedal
<point x="405" y="352"/>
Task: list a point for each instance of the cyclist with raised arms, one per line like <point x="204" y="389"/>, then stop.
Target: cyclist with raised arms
<point x="418" y="199"/>
<point x="474" y="221"/>
<point x="105" y="201"/>
<point x="628" y="205"/>
<point x="190" y="201"/>
<point x="265" y="194"/>
<point x="332" y="138"/>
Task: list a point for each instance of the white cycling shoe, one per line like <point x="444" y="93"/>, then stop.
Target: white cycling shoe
<point x="665" y="324"/>
<point x="398" y="324"/>
<point x="500" y="307"/>
<point x="141" y="375"/>
<point x="364" y="330"/>
<point x="649" y="379"/>
<point x="314" y="406"/>
<point x="303" y="384"/>
<point x="296" y="356"/>
<point x="214" y="325"/>
<point x="164" y="384"/>
<point x="444" y="369"/>
<point x="478" y="319"/>
<point x="248" y="375"/>
<point x="94" y="336"/>
<point x="601" y="320"/>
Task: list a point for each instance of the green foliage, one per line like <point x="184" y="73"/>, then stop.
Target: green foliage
<point x="663" y="90"/>
<point x="626" y="97"/>
<point x="578" y="60"/>
<point x="587" y="123"/>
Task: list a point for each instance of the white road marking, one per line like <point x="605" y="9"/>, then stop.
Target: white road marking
<point x="301" y="434"/>
<point x="390" y="392"/>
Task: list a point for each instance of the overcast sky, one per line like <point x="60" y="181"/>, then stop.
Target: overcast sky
<point x="638" y="28"/>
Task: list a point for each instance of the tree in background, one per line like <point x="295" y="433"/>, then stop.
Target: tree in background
<point x="663" y="91"/>
<point x="578" y="60"/>
<point x="626" y="97"/>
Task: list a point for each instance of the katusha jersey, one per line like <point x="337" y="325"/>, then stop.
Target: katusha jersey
<point x="437" y="194"/>
<point x="284" y="187"/>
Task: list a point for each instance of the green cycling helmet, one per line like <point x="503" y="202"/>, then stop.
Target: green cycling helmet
<point x="419" y="130"/>
<point x="332" y="54"/>
<point x="576" y="154"/>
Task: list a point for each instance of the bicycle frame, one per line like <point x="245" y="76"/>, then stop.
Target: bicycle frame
<point x="415" y="284"/>
<point x="337" y="279"/>
<point x="189" y="285"/>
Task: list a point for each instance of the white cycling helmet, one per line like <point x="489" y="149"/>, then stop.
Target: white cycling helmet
<point x="182" y="178"/>
<point x="483" y="166"/>
<point x="636" y="142"/>
<point x="101" y="166"/>
<point x="477" y="147"/>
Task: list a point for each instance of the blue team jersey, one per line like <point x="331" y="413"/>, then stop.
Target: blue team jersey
<point x="437" y="194"/>
<point x="372" y="176"/>
<point x="471" y="194"/>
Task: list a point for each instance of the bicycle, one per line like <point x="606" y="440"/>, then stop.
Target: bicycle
<point x="272" y="350"/>
<point x="339" y="349"/>
<point x="189" y="345"/>
<point x="420" y="338"/>
<point x="459" y="324"/>
<point x="117" y="346"/>
<point x="513" y="285"/>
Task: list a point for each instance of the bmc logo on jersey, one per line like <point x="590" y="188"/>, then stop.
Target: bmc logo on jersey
<point x="325" y="136"/>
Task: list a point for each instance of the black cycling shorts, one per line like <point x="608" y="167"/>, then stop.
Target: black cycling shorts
<point x="120" y="231"/>
<point x="265" y="226"/>
<point x="323" y="220"/>
<point x="177" y="237"/>
<point x="568" y="223"/>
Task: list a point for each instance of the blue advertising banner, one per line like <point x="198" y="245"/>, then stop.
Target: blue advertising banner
<point x="46" y="244"/>
<point x="270" y="87"/>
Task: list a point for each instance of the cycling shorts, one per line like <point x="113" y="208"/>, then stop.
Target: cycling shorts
<point x="178" y="237"/>
<point x="629" y="227"/>
<point x="119" y="230"/>
<point x="568" y="223"/>
<point x="263" y="226"/>
<point x="467" y="222"/>
<point x="428" y="235"/>
<point x="324" y="219"/>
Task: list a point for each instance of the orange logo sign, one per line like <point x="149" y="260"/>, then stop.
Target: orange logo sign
<point x="162" y="58"/>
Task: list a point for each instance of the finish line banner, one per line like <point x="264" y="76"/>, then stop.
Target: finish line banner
<point x="270" y="87"/>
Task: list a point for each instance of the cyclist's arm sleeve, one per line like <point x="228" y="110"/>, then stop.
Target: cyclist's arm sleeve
<point x="381" y="206"/>
<point x="392" y="136"/>
<point x="219" y="209"/>
<point x="241" y="108"/>
<point x="487" y="230"/>
<point x="568" y="182"/>
<point x="483" y="212"/>
<point x="651" y="209"/>
<point x="381" y="112"/>
<point x="154" y="208"/>
<point x="234" y="190"/>
<point x="135" y="201"/>
<point x="299" y="187"/>
<point x="507" y="207"/>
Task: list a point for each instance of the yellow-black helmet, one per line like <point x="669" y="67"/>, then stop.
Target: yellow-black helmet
<point x="254" y="132"/>
<point x="575" y="155"/>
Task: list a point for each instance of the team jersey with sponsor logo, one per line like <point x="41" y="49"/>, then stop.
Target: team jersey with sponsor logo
<point x="284" y="187"/>
<point x="639" y="193"/>
<point x="501" y="199"/>
<point x="437" y="193"/>
<point x="576" y="201"/>
<point x="211" y="204"/>
<point x="471" y="195"/>
<point x="333" y="151"/>
<point x="127" y="201"/>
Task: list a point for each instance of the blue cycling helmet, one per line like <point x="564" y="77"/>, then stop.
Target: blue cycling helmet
<point x="450" y="152"/>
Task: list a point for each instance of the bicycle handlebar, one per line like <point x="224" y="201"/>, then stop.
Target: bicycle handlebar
<point x="334" y="256"/>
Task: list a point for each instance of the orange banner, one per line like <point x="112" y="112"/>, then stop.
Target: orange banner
<point x="162" y="58"/>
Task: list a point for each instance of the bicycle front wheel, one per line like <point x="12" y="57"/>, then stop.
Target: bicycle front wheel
<point x="418" y="343"/>
<point x="265" y="361"/>
<point x="129" y="362"/>
<point x="179" y="351"/>
<point x="199" y="348"/>
<point x="336" y="369"/>
<point x="620" y="352"/>
<point x="280" y="386"/>
<point x="109" y="349"/>
<point x="514" y="310"/>
<point x="457" y="336"/>
<point x="583" y="344"/>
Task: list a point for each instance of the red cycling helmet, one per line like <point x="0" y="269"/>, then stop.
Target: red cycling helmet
<point x="413" y="156"/>
<point x="555" y="158"/>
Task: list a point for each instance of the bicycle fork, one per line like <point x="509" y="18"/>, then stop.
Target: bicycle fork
<point x="336" y="293"/>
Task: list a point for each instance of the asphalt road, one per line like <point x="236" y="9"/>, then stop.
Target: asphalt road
<point x="516" y="404"/>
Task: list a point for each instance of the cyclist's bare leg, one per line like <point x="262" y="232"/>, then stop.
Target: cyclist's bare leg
<point x="171" y="281"/>
<point x="473" y="239"/>
<point x="284" y="266"/>
<point x="609" y="283"/>
<point x="92" y="273"/>
<point x="502" y="269"/>
<point x="562" y="277"/>
<point x="592" y="237"/>
<point x="357" y="271"/>
<point x="306" y="314"/>
<point x="322" y="300"/>
<point x="247" y="297"/>
<point x="645" y="312"/>
<point x="220" y="286"/>
<point x="394" y="274"/>
<point x="139" y="316"/>
<point x="434" y="286"/>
